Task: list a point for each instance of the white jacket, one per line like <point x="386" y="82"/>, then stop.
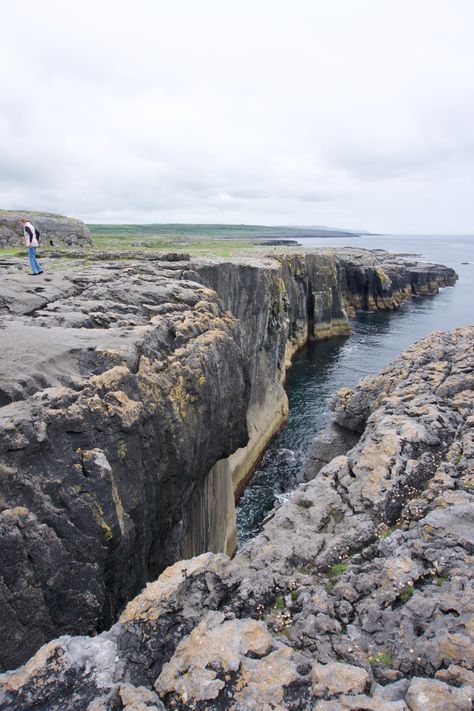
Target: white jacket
<point x="30" y="241"/>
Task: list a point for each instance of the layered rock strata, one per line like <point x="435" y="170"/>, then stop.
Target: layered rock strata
<point x="356" y="595"/>
<point x="59" y="229"/>
<point x="383" y="281"/>
<point x="135" y="398"/>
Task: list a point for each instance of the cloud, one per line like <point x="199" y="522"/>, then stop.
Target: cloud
<point x="312" y="113"/>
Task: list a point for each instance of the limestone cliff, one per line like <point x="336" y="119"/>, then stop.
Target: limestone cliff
<point x="124" y="387"/>
<point x="59" y="229"/>
<point x="356" y="595"/>
<point x="283" y="302"/>
<point x="136" y="395"/>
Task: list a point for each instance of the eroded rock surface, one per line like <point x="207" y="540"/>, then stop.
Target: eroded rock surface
<point x="135" y="396"/>
<point x="120" y="394"/>
<point x="356" y="595"/>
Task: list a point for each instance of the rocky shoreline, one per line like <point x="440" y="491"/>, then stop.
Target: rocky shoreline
<point x="356" y="595"/>
<point x="136" y="395"/>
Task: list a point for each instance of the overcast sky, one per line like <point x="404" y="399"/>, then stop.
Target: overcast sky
<point x="347" y="113"/>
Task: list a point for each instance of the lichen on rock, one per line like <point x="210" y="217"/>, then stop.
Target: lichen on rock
<point x="356" y="595"/>
<point x="135" y="398"/>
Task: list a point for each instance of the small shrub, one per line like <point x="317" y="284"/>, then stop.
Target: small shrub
<point x="387" y="532"/>
<point x="338" y="569"/>
<point x="384" y="659"/>
<point x="279" y="603"/>
<point x="406" y="594"/>
<point x="294" y="595"/>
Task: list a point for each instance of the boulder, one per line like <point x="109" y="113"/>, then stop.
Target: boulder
<point x="57" y="228"/>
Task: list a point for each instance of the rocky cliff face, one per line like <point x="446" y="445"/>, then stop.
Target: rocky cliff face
<point x="135" y="398"/>
<point x="59" y="229"/>
<point x="356" y="595"/>
<point x="383" y="281"/>
<point x="132" y="386"/>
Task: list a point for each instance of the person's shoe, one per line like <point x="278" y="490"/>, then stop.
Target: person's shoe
<point x="40" y="272"/>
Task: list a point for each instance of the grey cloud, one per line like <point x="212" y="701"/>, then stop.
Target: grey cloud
<point x="250" y="112"/>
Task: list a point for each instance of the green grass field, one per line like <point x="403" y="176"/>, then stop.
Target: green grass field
<point x="172" y="243"/>
<point x="218" y="240"/>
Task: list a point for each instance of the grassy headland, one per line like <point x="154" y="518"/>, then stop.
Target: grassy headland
<point x="221" y="240"/>
<point x="212" y="239"/>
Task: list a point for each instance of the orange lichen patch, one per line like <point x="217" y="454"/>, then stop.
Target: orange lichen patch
<point x="15" y="512"/>
<point x="217" y="645"/>
<point x="111" y="378"/>
<point x="120" y="404"/>
<point x="98" y="513"/>
<point x="207" y="293"/>
<point x="179" y="397"/>
<point x="457" y="647"/>
<point x="157" y="596"/>
<point x="266" y="679"/>
<point x="337" y="678"/>
<point x="152" y="382"/>
<point x="401" y="571"/>
<point x="115" y="403"/>
<point x="37" y="670"/>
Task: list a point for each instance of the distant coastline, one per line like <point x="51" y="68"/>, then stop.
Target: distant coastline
<point x="218" y="231"/>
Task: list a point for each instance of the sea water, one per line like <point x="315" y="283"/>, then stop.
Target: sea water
<point x="320" y="369"/>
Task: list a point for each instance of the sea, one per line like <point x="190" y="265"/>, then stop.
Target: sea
<point x="319" y="369"/>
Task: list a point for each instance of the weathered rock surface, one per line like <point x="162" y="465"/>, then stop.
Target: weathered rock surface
<point x="132" y="386"/>
<point x="331" y="442"/>
<point x="135" y="397"/>
<point x="384" y="281"/>
<point x="357" y="594"/>
<point x="59" y="229"/>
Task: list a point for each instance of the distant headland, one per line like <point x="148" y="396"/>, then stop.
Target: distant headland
<point x="222" y="231"/>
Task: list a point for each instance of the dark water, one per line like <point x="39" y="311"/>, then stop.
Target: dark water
<point x="321" y="368"/>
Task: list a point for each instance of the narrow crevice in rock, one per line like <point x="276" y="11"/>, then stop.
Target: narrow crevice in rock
<point x="165" y="391"/>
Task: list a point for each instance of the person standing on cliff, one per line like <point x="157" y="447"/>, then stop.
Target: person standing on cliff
<point x="31" y="236"/>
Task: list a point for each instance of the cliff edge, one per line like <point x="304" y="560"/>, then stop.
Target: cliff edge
<point x="356" y="595"/>
<point x="135" y="397"/>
